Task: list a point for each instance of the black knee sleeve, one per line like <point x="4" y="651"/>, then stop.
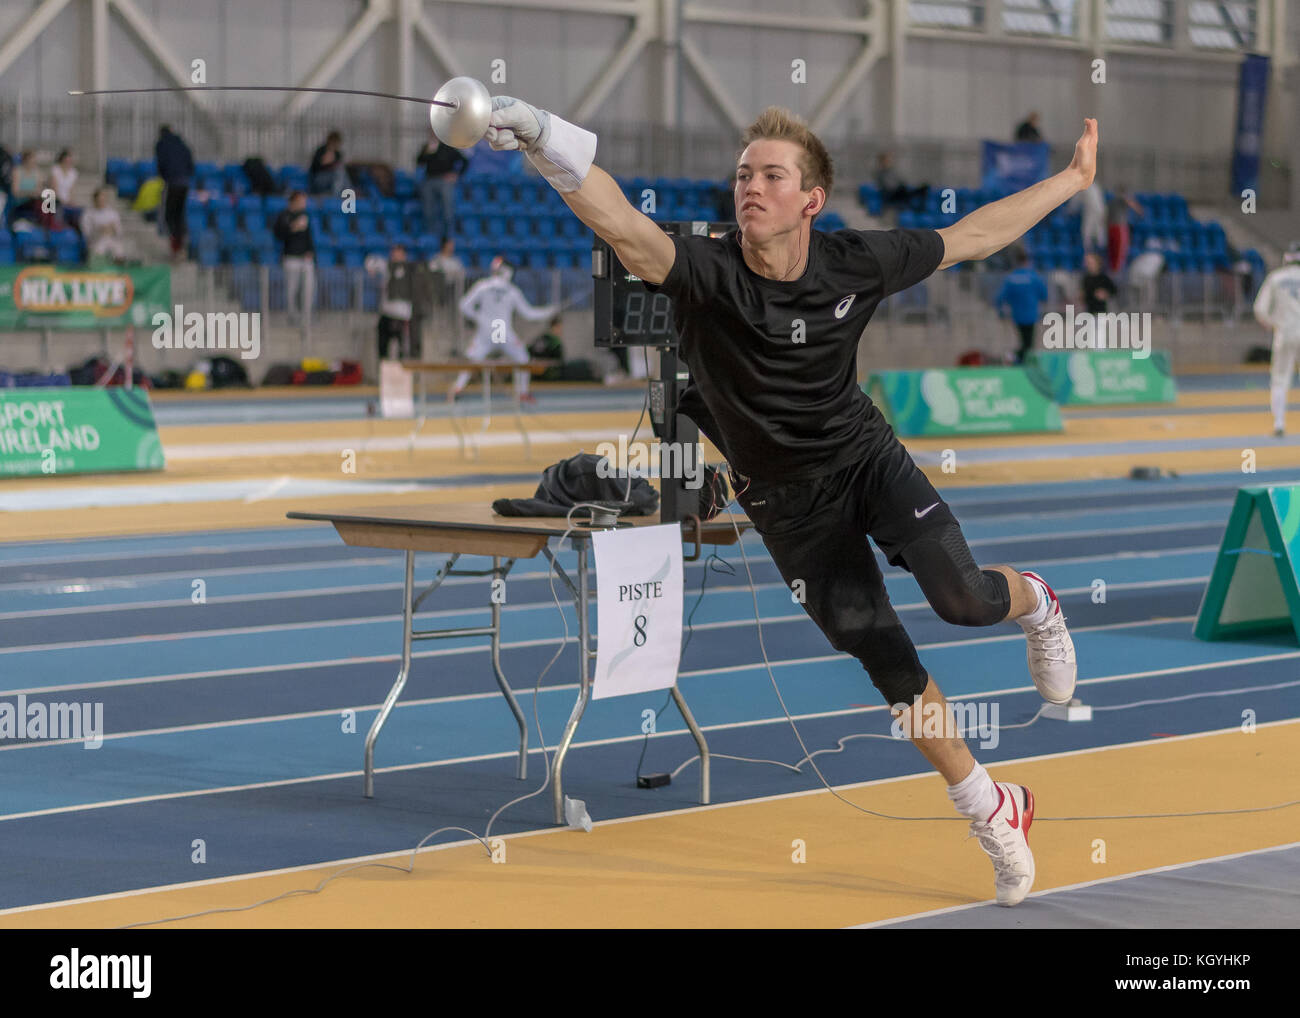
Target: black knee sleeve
<point x="889" y="656"/>
<point x="958" y="590"/>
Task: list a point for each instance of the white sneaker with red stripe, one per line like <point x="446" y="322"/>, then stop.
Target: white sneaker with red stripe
<point x="1050" y="652"/>
<point x="1005" y="837"/>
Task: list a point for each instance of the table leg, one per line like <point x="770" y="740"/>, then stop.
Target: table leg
<point x="460" y="431"/>
<point x="584" y="690"/>
<point x="501" y="680"/>
<point x="402" y="675"/>
<point x="519" y="421"/>
<point x="703" y="746"/>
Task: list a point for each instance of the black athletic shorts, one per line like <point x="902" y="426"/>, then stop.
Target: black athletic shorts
<point x="883" y="494"/>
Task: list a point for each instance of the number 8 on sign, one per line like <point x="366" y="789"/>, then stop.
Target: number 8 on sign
<point x="638" y="584"/>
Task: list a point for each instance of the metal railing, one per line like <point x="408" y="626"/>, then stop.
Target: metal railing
<point x="97" y="129"/>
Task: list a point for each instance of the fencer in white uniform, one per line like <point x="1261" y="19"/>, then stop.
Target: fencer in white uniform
<point x="491" y="304"/>
<point x="1277" y="307"/>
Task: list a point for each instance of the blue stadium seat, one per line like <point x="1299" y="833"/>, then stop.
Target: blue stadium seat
<point x="404" y="184"/>
<point x="146" y="168"/>
<point x="128" y="184"/>
<point x="275" y="204"/>
<point x="67" y="246"/>
<point x="31" y="244"/>
<point x="223" y="218"/>
<point x="292" y="178"/>
<point x="196" y="218"/>
<point x="112" y="167"/>
<point x="339" y="224"/>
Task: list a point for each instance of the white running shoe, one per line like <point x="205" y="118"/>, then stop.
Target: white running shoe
<point x="1005" y="837"/>
<point x="1050" y="652"/>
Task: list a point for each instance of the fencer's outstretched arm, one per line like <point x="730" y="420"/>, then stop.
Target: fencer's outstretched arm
<point x="563" y="153"/>
<point x="989" y="229"/>
<point x="641" y="245"/>
<point x="537" y="313"/>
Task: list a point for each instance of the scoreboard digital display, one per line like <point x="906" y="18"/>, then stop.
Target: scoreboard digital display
<point x="627" y="314"/>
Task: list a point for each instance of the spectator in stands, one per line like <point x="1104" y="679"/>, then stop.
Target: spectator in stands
<point x="176" y="167"/>
<point x="1118" y="233"/>
<point x="1098" y="288"/>
<point x="446" y="283"/>
<point x="1145" y="271"/>
<point x="893" y="192"/>
<point x="1028" y="130"/>
<point x="1092" y="220"/>
<point x="491" y="304"/>
<point x="442" y="167"/>
<point x="446" y="262"/>
<point x="1023" y="292"/>
<point x="396" y="304"/>
<point x="1277" y="307"/>
<point x="293" y="229"/>
<point x="27" y="183"/>
<point x="422" y="298"/>
<point x="7" y="181"/>
<point x="328" y="174"/>
<point x="63" y="176"/>
<point x="102" y="227"/>
<point x="549" y="347"/>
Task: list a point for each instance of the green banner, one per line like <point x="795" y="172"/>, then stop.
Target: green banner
<point x="76" y="431"/>
<point x="69" y="297"/>
<point x="963" y="401"/>
<point x="1098" y="377"/>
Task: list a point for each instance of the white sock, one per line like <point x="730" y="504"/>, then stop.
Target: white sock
<point x="1039" y="615"/>
<point x="976" y="796"/>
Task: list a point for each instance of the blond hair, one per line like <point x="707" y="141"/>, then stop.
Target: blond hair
<point x="778" y="124"/>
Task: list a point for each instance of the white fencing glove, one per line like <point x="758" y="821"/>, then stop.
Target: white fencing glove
<point x="562" y="152"/>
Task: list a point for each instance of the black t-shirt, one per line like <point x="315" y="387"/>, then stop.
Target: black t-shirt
<point x="1091" y="284"/>
<point x="774" y="364"/>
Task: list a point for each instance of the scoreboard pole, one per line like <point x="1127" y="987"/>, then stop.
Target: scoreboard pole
<point x="672" y="427"/>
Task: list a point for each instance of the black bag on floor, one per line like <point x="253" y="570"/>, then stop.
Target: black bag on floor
<point x="228" y="373"/>
<point x="278" y="374"/>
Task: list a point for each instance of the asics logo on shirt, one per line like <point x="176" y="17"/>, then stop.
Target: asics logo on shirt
<point x="842" y="308"/>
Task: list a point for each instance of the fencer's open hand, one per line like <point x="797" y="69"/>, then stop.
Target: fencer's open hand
<point x="1085" y="154"/>
<point x="515" y="125"/>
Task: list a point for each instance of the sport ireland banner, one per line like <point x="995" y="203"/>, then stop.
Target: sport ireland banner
<point x="963" y="401"/>
<point x="76" y="431"/>
<point x="1099" y="377"/>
